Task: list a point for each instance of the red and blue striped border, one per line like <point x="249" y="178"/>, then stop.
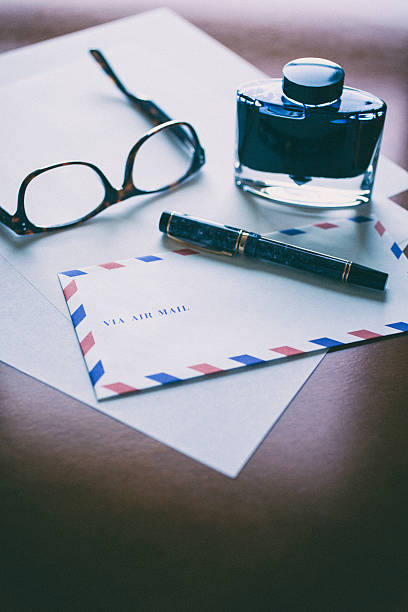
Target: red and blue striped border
<point x="325" y="342"/>
<point x="97" y="371"/>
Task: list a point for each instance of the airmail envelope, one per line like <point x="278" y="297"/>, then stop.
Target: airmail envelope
<point x="167" y="317"/>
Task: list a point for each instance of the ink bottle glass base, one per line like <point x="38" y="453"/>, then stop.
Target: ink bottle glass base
<point x="305" y="191"/>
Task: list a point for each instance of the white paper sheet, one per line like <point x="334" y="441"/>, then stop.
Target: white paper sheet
<point x="79" y="99"/>
<point x="211" y="421"/>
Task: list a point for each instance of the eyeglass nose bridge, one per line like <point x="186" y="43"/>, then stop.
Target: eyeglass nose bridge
<point x="127" y="191"/>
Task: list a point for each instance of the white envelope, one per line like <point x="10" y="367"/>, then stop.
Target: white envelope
<point x="167" y="317"/>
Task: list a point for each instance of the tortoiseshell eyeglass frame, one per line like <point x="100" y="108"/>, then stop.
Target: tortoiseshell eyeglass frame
<point x="183" y="131"/>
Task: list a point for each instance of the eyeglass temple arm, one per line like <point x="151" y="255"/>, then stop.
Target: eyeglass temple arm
<point x="148" y="107"/>
<point x="154" y="112"/>
<point x="6" y="218"/>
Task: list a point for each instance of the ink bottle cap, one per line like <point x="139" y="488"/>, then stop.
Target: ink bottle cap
<point x="312" y="80"/>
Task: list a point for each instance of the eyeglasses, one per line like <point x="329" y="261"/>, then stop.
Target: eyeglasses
<point x="164" y="157"/>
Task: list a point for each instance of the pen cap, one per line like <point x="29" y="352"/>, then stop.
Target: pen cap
<point x="214" y="237"/>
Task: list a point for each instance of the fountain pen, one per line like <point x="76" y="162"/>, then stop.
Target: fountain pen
<point x="228" y="240"/>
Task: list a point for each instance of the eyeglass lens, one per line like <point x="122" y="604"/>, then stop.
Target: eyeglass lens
<point x="162" y="159"/>
<point x="63" y="195"/>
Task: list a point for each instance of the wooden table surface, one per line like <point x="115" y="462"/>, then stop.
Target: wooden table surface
<point x="96" y="516"/>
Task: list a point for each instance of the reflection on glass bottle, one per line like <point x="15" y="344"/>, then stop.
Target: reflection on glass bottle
<point x="307" y="140"/>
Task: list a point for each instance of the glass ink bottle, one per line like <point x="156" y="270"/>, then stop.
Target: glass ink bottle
<point x="307" y="140"/>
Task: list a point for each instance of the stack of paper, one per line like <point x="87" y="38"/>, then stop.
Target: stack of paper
<point x="75" y="113"/>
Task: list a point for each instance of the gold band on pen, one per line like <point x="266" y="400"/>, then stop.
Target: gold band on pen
<point x="241" y="242"/>
<point x="236" y="245"/>
<point x="168" y="223"/>
<point x="346" y="271"/>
